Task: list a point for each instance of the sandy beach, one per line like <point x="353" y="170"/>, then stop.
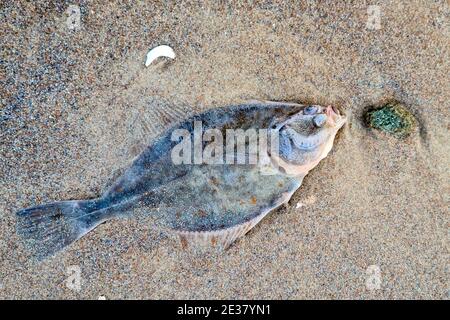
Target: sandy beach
<point x="77" y="105"/>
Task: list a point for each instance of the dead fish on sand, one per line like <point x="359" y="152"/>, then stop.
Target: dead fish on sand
<point x="205" y="202"/>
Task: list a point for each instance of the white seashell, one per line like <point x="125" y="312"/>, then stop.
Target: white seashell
<point x="159" y="51"/>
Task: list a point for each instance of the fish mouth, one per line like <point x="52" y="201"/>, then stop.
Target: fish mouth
<point x="335" y="116"/>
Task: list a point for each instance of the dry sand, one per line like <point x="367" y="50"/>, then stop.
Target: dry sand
<point x="77" y="106"/>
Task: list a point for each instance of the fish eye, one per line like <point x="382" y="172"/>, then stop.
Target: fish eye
<point x="320" y="120"/>
<point x="310" y="110"/>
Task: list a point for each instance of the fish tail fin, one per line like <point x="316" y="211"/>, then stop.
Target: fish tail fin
<point x="49" y="228"/>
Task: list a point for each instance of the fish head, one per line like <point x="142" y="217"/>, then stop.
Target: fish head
<point x="307" y="137"/>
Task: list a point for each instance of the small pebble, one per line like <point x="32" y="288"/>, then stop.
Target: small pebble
<point x="392" y="118"/>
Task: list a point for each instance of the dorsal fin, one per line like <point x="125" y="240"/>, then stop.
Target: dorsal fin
<point x="221" y="239"/>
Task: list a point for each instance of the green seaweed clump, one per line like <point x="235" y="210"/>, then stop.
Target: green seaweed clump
<point x="393" y="119"/>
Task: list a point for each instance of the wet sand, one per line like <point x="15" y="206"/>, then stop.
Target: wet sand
<point x="76" y="106"/>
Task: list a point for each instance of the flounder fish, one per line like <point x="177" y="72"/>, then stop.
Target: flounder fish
<point x="205" y="202"/>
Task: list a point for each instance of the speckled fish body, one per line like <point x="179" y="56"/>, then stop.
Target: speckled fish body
<point x="209" y="203"/>
<point x="200" y="197"/>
